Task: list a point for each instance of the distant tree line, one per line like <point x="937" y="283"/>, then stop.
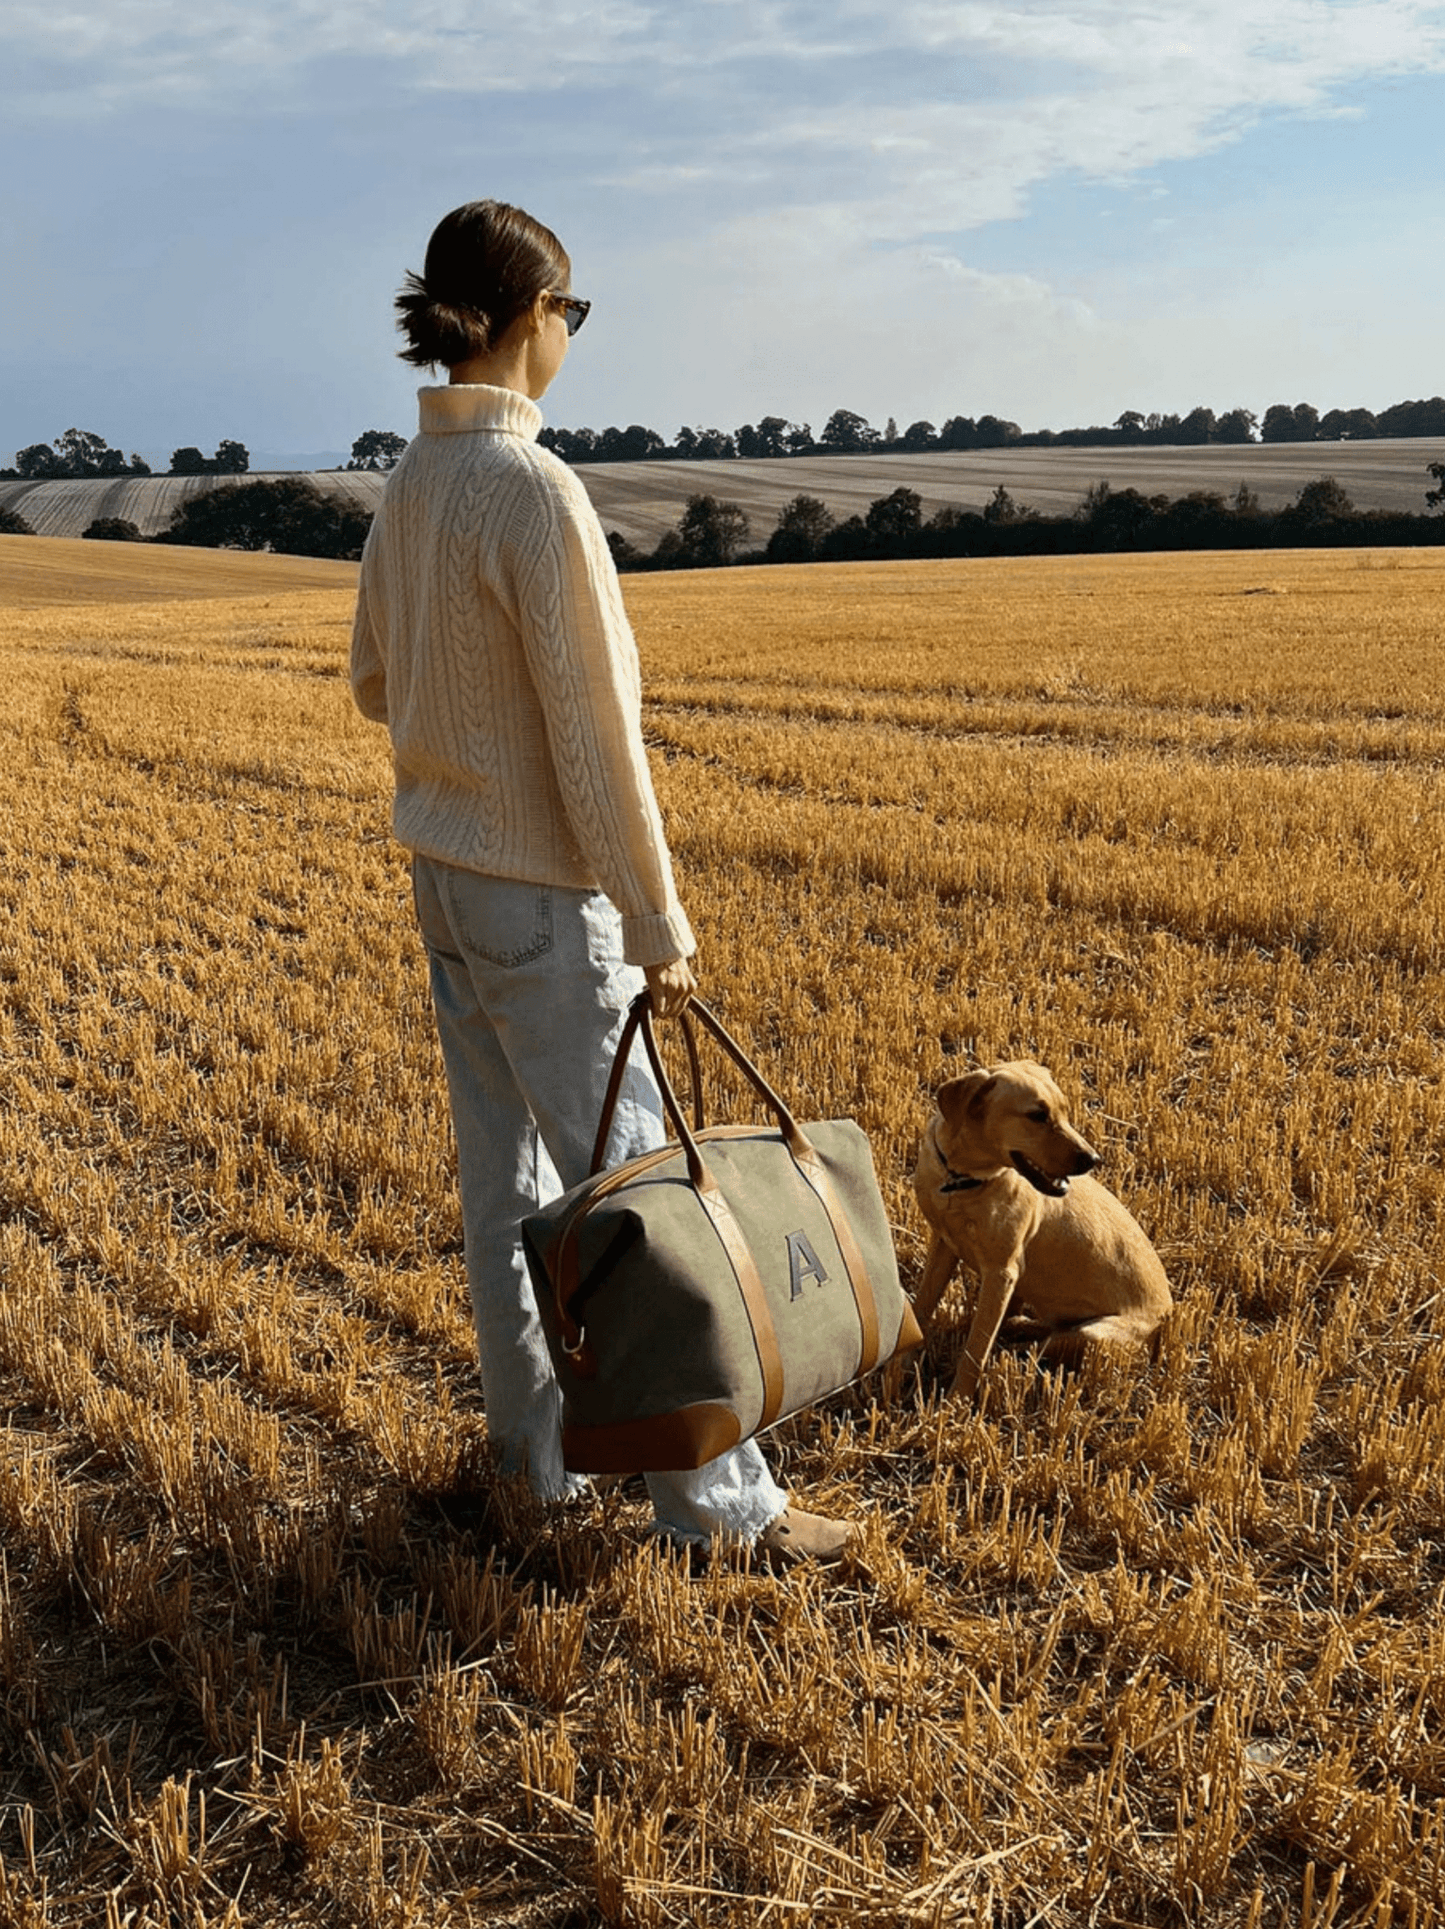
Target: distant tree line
<point x="79" y="452"/>
<point x="287" y="515"/>
<point x="844" y="433"/>
<point x="230" y="459"/>
<point x="290" y="516"/>
<point x="847" y="433"/>
<point x="713" y="533"/>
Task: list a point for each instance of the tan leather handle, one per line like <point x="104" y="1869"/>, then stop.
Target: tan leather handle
<point x="710" y="1195"/>
<point x="639" y="1010"/>
<point x="805" y="1157"/>
<point x="640" y="1017"/>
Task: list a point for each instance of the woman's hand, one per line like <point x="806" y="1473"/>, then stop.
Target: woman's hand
<point x="671" y="985"/>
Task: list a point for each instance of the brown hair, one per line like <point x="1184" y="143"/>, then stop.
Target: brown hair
<point x="486" y="263"/>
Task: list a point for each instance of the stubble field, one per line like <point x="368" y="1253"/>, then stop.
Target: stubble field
<point x="1157" y="1644"/>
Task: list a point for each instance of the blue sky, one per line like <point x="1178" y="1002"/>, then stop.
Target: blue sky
<point x="1052" y="211"/>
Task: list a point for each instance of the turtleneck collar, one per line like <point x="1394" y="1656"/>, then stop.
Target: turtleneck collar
<point x="461" y="408"/>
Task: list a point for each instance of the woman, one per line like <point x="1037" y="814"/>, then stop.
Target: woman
<point x="491" y="640"/>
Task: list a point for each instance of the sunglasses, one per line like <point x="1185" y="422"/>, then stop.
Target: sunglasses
<point x="574" y="312"/>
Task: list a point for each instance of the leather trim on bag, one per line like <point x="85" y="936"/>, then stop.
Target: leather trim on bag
<point x="815" y="1172"/>
<point x="686" y="1438"/>
<point x="750" y="1285"/>
<point x="565" y="1264"/>
<point x="910" y="1333"/>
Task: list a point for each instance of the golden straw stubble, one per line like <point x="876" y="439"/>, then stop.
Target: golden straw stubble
<point x="275" y="1646"/>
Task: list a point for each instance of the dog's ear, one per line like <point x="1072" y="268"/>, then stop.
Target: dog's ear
<point x="964" y="1094"/>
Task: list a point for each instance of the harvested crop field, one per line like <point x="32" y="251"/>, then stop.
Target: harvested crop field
<point x="1160" y="1643"/>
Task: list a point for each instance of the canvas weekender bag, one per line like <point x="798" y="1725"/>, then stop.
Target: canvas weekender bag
<point x="698" y="1294"/>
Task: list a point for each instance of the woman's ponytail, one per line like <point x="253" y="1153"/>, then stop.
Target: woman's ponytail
<point x="486" y="263"/>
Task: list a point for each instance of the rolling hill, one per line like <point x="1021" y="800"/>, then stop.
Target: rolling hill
<point x="642" y="499"/>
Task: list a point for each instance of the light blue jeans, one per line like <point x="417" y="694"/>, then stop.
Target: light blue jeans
<point x="530" y="993"/>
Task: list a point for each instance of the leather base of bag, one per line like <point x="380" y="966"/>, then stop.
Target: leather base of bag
<point x="699" y="1294"/>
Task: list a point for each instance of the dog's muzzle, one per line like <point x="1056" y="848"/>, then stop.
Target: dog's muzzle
<point x="1052" y="1186"/>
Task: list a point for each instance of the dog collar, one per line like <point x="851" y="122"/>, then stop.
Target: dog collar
<point x="957" y="1181"/>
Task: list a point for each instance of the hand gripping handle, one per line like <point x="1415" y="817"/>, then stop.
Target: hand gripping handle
<point x="640" y="1018"/>
<point x="639" y="1013"/>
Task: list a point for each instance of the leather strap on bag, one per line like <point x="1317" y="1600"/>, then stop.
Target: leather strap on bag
<point x="806" y="1158"/>
<point x="730" y="1233"/>
<point x="711" y="1198"/>
<point x="815" y="1172"/>
<point x="635" y="1014"/>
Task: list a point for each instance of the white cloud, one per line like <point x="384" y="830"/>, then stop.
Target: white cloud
<point x="767" y="197"/>
<point x="1272" y="53"/>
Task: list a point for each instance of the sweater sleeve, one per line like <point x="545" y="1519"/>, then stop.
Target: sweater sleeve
<point x="583" y="660"/>
<point x="368" y="670"/>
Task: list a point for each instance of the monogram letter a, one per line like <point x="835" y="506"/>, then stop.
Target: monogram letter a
<point x="803" y="1263"/>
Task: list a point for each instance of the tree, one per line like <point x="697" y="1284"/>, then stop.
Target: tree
<point x="715" y="445"/>
<point x="39" y="462"/>
<point x="1198" y="426"/>
<point x="1413" y="418"/>
<point x="1195" y="518"/>
<point x="1435" y="498"/>
<point x="1001" y="507"/>
<point x="79" y="452"/>
<point x="1354" y="425"/>
<point x="378" y="449"/>
<point x="1131" y="425"/>
<point x="1121" y="517"/>
<point x="845" y="541"/>
<point x="86" y="454"/>
<point x="289" y="516"/>
<point x="711" y="532"/>
<point x="801" y="528"/>
<point x="12" y="523"/>
<point x="1323" y="500"/>
<point x="847" y="433"/>
<point x="920" y="435"/>
<point x="1285" y="424"/>
<point x="773" y="432"/>
<point x="112" y="529"/>
<point x="1091" y="502"/>
<point x="570" y="445"/>
<point x="1236" y="425"/>
<point x="892" y="521"/>
<point x="230" y="459"/>
<point x="634" y="444"/>
<point x="625" y="554"/>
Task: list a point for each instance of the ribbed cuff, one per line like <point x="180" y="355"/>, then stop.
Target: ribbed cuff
<point x="658" y="939"/>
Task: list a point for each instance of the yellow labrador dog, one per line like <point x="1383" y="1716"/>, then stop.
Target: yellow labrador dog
<point x="1001" y="1180"/>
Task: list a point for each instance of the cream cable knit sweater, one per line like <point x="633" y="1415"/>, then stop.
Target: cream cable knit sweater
<point x="491" y="639"/>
